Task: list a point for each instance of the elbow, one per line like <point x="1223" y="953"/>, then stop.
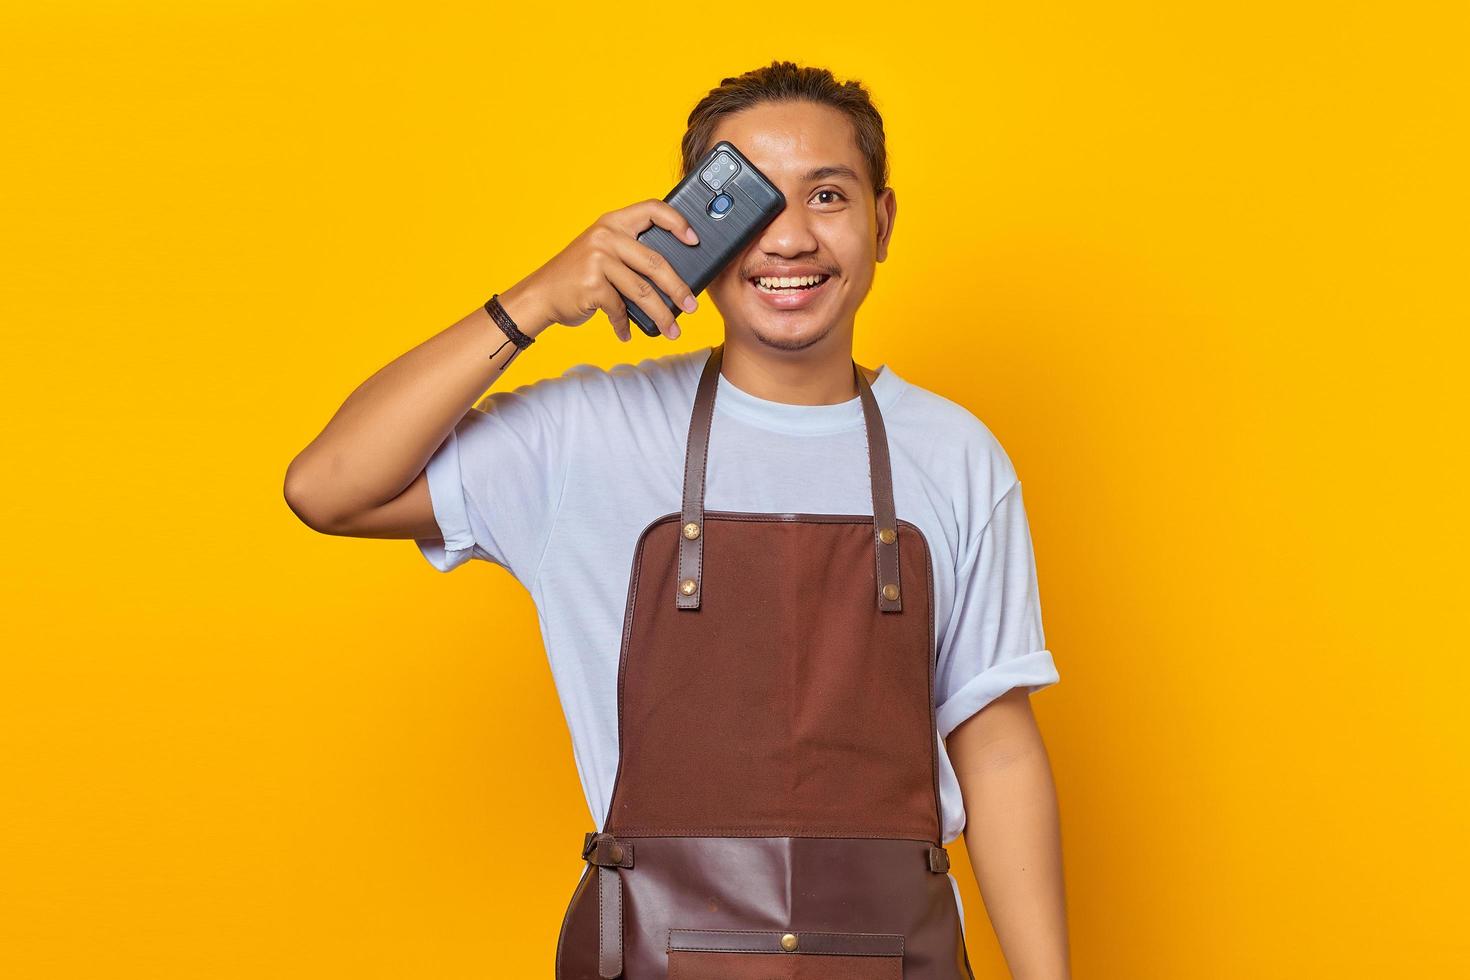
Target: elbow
<point x="307" y="500"/>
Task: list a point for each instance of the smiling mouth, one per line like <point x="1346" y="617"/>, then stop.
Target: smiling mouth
<point x="777" y="285"/>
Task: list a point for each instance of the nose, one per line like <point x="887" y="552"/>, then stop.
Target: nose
<point x="789" y="233"/>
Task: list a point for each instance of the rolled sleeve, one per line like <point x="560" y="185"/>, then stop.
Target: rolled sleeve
<point x="1033" y="671"/>
<point x="994" y="640"/>
<point x="446" y="492"/>
<point x="496" y="480"/>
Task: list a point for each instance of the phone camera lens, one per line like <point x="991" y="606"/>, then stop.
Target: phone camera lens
<point x="721" y="170"/>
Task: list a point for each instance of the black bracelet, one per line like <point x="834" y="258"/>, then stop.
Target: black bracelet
<point x="506" y="324"/>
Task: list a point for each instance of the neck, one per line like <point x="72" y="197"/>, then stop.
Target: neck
<point x="806" y="377"/>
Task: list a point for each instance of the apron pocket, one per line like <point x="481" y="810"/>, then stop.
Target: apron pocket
<point x="770" y="954"/>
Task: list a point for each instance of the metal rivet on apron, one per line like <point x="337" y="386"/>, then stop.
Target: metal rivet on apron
<point x="691" y="530"/>
<point x="890" y="591"/>
<point x="887" y="537"/>
<point x="788" y="942"/>
<point x="616" y="853"/>
<point x="687" y="586"/>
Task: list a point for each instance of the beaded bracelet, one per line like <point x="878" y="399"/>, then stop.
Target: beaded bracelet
<point x="506" y="324"/>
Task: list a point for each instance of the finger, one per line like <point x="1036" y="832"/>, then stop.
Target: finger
<point x="640" y="291"/>
<point x="636" y="218"/>
<point x="617" y="312"/>
<point x="641" y="258"/>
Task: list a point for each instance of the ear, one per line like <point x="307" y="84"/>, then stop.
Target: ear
<point x="885" y="209"/>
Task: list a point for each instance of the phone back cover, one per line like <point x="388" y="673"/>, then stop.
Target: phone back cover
<point x="757" y="202"/>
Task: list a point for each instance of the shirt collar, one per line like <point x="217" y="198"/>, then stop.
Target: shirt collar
<point x="806" y="419"/>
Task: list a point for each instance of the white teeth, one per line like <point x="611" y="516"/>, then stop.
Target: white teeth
<point x="787" y="282"/>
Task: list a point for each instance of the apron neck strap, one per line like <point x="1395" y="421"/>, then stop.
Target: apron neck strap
<point x="691" y="532"/>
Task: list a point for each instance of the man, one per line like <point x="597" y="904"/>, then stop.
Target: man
<point x="559" y="480"/>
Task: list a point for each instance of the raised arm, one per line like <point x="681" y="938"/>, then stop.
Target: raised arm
<point x="363" y="475"/>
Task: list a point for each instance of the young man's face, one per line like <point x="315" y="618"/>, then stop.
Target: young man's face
<point x="832" y="226"/>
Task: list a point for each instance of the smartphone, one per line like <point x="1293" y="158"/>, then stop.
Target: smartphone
<point x="728" y="201"/>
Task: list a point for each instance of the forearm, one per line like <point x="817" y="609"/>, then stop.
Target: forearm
<point x="384" y="433"/>
<point x="1012" y="836"/>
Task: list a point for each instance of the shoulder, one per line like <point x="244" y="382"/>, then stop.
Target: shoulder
<point x="954" y="445"/>
<point x="626" y="386"/>
<point x="674" y="375"/>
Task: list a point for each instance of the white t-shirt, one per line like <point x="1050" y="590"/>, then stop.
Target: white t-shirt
<point x="554" y="480"/>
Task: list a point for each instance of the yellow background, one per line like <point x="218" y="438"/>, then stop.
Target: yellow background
<point x="1200" y="267"/>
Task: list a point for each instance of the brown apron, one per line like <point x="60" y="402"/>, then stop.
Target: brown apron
<point x="775" y="814"/>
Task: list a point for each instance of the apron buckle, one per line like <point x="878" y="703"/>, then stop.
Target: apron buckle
<point x="938" y="859"/>
<point x="604" y="850"/>
<point x="608" y="853"/>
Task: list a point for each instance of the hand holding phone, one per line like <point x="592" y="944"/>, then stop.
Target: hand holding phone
<point x="635" y="261"/>
<point x="590" y="271"/>
<point x="728" y="202"/>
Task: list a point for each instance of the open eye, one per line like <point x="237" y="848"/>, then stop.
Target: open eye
<point x="830" y="191"/>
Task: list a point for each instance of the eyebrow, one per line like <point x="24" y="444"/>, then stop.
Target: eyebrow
<point x="831" y="170"/>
